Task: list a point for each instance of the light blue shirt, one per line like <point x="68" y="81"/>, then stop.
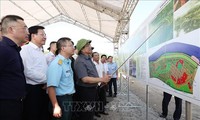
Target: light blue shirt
<point x="112" y="67"/>
<point x="60" y="76"/>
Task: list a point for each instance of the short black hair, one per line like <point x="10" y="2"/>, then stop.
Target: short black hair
<point x="60" y="43"/>
<point x="34" y="30"/>
<point x="53" y="42"/>
<point x="94" y="53"/>
<point x="110" y="56"/>
<point x="5" y="21"/>
<point x="103" y="55"/>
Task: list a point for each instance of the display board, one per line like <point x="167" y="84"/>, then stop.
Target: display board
<point x="167" y="50"/>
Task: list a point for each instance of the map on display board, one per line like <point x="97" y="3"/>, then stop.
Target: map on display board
<point x="170" y="58"/>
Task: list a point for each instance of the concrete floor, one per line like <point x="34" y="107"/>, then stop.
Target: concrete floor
<point x="119" y="108"/>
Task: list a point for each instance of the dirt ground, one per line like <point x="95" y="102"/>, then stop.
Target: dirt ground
<point x="134" y="107"/>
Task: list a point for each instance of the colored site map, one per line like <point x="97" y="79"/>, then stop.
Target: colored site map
<point x="176" y="69"/>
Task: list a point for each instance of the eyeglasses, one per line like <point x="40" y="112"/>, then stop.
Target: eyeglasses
<point x="42" y="34"/>
<point x="72" y="46"/>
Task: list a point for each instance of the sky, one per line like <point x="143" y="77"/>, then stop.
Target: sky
<point x="100" y="44"/>
<point x="63" y="29"/>
<point x="142" y="11"/>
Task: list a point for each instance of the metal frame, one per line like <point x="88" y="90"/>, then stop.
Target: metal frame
<point x="64" y="18"/>
<point x="122" y="17"/>
<point x="122" y="30"/>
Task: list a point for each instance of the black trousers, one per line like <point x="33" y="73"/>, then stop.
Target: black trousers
<point x="97" y="99"/>
<point x="75" y="115"/>
<point x="114" y="82"/>
<point x="66" y="105"/>
<point x="36" y="103"/>
<point x="86" y="102"/>
<point x="100" y="99"/>
<point x="178" y="103"/>
<point x="102" y="96"/>
<point x="11" y="109"/>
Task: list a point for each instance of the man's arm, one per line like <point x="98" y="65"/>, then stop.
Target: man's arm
<point x="56" y="108"/>
<point x="104" y="79"/>
<point x="4" y="58"/>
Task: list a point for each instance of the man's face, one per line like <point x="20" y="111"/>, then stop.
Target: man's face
<point x="103" y="59"/>
<point x="53" y="47"/>
<point x="69" y="48"/>
<point x="20" y="31"/>
<point x="87" y="49"/>
<point x="39" y="38"/>
<point x="96" y="57"/>
<point x="110" y="59"/>
<point x="76" y="51"/>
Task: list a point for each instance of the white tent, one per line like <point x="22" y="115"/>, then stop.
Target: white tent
<point x="107" y="18"/>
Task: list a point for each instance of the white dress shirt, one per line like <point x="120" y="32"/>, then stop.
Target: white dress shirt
<point x="49" y="57"/>
<point x="35" y="64"/>
<point x="105" y="66"/>
<point x="100" y="68"/>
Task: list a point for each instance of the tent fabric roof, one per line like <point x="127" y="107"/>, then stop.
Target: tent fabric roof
<point x="106" y="18"/>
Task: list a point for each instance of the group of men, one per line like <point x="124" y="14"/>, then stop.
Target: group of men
<point x="30" y="80"/>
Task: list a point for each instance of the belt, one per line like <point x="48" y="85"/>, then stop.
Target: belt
<point x="37" y="85"/>
<point x="64" y="95"/>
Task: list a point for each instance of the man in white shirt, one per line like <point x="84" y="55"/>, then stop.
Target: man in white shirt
<point x="100" y="89"/>
<point x="105" y="66"/>
<point x="35" y="68"/>
<point x="52" y="52"/>
<point x="103" y="61"/>
<point x="98" y="65"/>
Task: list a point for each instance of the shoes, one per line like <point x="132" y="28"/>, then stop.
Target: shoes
<point x="109" y="95"/>
<point x="114" y="95"/>
<point x="163" y="116"/>
<point x="107" y="102"/>
<point x="97" y="115"/>
<point x="176" y="119"/>
<point x="104" y="113"/>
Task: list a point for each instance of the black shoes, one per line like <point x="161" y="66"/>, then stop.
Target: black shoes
<point x="176" y="119"/>
<point x="163" y="116"/>
<point x="109" y="96"/>
<point x="115" y="95"/>
<point x="97" y="115"/>
<point x="104" y="113"/>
